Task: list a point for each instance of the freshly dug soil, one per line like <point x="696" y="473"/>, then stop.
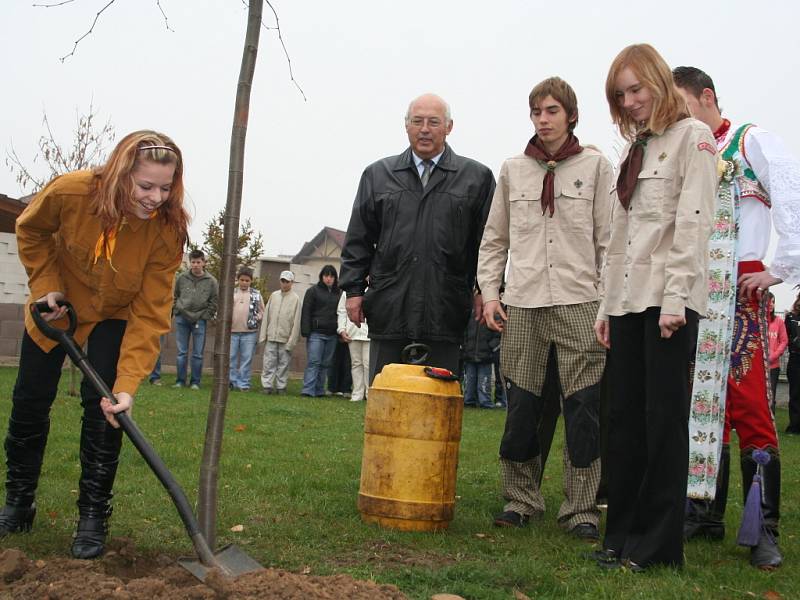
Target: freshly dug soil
<point x="123" y="574"/>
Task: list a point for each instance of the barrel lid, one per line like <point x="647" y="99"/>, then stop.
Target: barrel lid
<point x="412" y="378"/>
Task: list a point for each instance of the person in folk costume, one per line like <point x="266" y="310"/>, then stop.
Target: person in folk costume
<point x="759" y="187"/>
<point x="550" y="221"/>
<point x="654" y="291"/>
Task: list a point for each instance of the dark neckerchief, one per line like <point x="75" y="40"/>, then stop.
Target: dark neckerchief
<point x="536" y="149"/>
<point x="631" y="167"/>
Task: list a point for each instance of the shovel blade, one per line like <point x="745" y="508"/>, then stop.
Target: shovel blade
<point x="233" y="561"/>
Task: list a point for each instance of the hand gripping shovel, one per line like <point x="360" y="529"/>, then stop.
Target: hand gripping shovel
<point x="230" y="560"/>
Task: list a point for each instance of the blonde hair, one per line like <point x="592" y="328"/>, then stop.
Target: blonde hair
<point x="113" y="197"/>
<point x="652" y="72"/>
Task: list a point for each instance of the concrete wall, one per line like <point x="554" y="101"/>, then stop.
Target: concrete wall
<point x="13" y="279"/>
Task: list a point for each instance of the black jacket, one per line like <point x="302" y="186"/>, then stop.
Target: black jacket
<point x="480" y="343"/>
<point x="319" y="310"/>
<point x="419" y="248"/>
<point x="792" y="322"/>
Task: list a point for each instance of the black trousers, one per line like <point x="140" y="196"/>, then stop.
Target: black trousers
<point x="648" y="438"/>
<point x="793" y="375"/>
<point x="383" y="352"/>
<point x="37" y="384"/>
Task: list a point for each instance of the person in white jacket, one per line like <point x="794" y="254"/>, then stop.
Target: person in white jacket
<point x="357" y="340"/>
<point x="281" y="330"/>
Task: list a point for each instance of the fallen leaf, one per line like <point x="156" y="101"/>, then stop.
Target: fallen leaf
<point x="52" y="514"/>
<point x="520" y="596"/>
<point x="240" y="428"/>
<point x="446" y="597"/>
<point x="480" y="535"/>
<point x="237" y="528"/>
<point x="40" y="563"/>
<point x="248" y="466"/>
<point x="772" y="595"/>
<point x="306" y="570"/>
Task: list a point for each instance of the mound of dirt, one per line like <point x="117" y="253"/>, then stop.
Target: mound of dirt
<point x="122" y="574"/>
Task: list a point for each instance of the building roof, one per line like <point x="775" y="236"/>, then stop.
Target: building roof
<point x="10" y="209"/>
<point x="326" y="233"/>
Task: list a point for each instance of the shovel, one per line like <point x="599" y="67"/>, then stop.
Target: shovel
<point x="230" y="560"/>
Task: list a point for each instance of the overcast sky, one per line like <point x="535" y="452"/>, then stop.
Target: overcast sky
<point x="359" y="63"/>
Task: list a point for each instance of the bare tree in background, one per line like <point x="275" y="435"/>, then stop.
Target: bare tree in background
<point x="88" y="149"/>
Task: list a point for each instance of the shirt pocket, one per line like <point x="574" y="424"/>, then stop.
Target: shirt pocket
<point x="525" y="207"/>
<point x="653" y="194"/>
<point x="126" y="284"/>
<point x="574" y="206"/>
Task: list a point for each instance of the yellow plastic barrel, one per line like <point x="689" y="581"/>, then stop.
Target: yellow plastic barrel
<point x="412" y="430"/>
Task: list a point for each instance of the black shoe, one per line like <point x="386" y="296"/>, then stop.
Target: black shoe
<point x="280" y="392"/>
<point x="602" y="555"/>
<point x="16" y="519"/>
<point x="90" y="536"/>
<point x="585" y="531"/>
<point x="766" y="555"/>
<point x="266" y="391"/>
<point x="510" y="518"/>
<point x="792" y="430"/>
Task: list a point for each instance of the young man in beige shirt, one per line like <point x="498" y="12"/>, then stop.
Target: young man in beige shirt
<point x="549" y="221"/>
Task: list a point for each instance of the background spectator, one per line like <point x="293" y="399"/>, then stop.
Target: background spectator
<point x="196" y="295"/>
<point x="281" y="330"/>
<point x="318" y="326"/>
<point x="248" y="310"/>
<point x="478" y="352"/>
<point x="357" y="340"/>
<point x="778" y="341"/>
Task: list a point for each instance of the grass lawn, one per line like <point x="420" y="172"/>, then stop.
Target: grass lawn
<point x="290" y="476"/>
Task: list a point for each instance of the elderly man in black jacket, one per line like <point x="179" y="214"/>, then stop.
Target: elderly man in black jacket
<point x="415" y="230"/>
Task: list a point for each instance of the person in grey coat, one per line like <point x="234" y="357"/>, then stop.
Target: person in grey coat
<point x="196" y="297"/>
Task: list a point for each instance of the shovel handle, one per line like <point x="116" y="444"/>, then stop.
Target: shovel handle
<point x="54" y="333"/>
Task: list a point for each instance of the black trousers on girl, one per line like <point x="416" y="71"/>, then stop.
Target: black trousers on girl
<point x="34" y="393"/>
<point x="648" y="438"/>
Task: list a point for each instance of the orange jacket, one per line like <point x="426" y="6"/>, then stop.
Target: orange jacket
<point x="56" y="236"/>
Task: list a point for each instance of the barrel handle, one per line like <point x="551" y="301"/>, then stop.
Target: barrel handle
<point x="415" y="353"/>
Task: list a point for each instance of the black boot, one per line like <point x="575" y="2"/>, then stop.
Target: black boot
<point x="766" y="554"/>
<point x="707" y="518"/>
<point x="24" y="447"/>
<point x="100" y="445"/>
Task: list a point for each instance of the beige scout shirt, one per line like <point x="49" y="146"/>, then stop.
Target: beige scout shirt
<point x="552" y="260"/>
<point x="657" y="255"/>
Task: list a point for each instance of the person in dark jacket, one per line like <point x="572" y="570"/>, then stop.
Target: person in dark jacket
<point x="481" y="345"/>
<point x="792" y="320"/>
<point x="415" y="229"/>
<point x="318" y="322"/>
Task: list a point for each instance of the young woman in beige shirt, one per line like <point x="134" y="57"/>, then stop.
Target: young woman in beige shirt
<point x="654" y="292"/>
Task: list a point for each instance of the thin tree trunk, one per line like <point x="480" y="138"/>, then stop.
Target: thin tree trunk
<point x="209" y="469"/>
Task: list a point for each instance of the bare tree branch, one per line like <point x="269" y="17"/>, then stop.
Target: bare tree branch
<point x="286" y="52"/>
<point x="78" y="41"/>
<point x="166" y="21"/>
<point x="55" y="4"/>
<point x="87" y="149"/>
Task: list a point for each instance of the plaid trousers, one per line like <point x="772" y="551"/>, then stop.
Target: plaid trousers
<point x="529" y="335"/>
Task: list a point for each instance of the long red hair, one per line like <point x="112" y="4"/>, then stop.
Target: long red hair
<point x="654" y="73"/>
<point x="113" y="196"/>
